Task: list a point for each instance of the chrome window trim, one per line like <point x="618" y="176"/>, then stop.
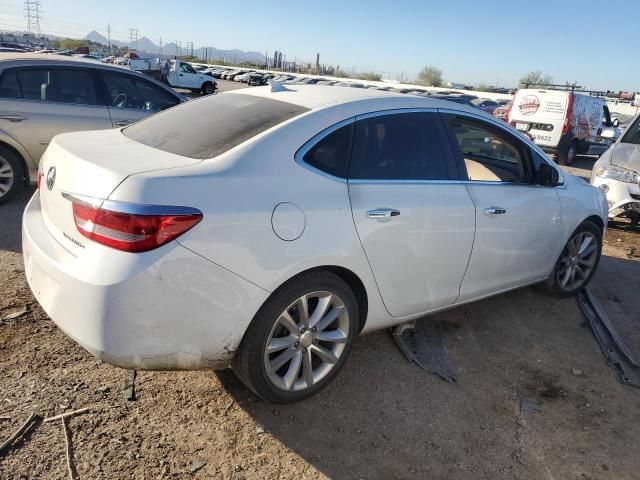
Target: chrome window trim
<point x="131" y="208"/>
<point x="510" y="131"/>
<point x="396" y="111"/>
<point x="309" y="144"/>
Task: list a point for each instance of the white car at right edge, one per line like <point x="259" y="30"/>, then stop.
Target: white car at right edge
<point x="617" y="172"/>
<point x="285" y="221"/>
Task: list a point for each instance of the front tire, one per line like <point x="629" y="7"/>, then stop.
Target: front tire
<point x="577" y="263"/>
<point x="299" y="339"/>
<point x="208" y="89"/>
<point x="11" y="175"/>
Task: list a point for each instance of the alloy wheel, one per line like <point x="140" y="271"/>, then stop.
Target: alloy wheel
<point x="577" y="261"/>
<point x="306" y="341"/>
<point x="6" y="177"/>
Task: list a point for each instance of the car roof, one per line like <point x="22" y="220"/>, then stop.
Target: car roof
<point x="319" y="96"/>
<point x="26" y="59"/>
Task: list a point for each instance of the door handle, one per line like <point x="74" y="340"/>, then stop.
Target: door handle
<point x="181" y="74"/>
<point x="122" y="123"/>
<point x="495" y="211"/>
<point x="13" y="117"/>
<point x="383" y="213"/>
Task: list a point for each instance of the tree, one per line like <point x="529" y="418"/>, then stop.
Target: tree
<point x="430" y="76"/>
<point x="536" y="78"/>
<point x="369" y="76"/>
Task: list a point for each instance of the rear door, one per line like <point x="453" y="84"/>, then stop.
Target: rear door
<point x="518" y="229"/>
<point x="131" y="97"/>
<point x="413" y="215"/>
<point x="40" y="102"/>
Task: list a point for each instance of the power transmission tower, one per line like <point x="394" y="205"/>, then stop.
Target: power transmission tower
<point x="109" y="36"/>
<point x="160" y="46"/>
<point x="190" y="48"/>
<point x="133" y="38"/>
<point x="178" y="47"/>
<point x="32" y="13"/>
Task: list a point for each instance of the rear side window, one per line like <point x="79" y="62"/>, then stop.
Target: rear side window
<point x="403" y="146"/>
<point x="331" y="154"/>
<point x="9" y="87"/>
<point x="209" y="127"/>
<point x="49" y="85"/>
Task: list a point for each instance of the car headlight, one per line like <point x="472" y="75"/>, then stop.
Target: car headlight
<point x="618" y="173"/>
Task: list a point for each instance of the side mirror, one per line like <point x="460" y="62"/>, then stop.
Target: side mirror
<point x="608" y="132"/>
<point x="616" y="123"/>
<point x="548" y="176"/>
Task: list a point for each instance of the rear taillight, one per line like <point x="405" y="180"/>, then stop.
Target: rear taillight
<point x="132" y="232"/>
<point x="567" y="121"/>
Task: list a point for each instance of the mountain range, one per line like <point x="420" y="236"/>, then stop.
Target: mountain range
<point x="145" y="45"/>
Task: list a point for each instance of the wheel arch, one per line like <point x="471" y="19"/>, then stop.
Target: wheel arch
<point x="350" y="278"/>
<point x="596" y="220"/>
<point x="21" y="158"/>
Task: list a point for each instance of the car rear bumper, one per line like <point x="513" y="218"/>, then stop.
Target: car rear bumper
<point x="174" y="310"/>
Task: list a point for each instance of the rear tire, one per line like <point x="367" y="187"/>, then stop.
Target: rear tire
<point x="286" y="356"/>
<point x="577" y="262"/>
<point x="11" y="174"/>
<point x="568" y="155"/>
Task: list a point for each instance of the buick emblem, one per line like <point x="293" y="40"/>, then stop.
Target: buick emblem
<point x="51" y="177"/>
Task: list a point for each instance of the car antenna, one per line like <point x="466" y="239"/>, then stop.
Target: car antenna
<point x="278" y="87"/>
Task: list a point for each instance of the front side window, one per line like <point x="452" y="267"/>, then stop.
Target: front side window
<point x="488" y="155"/>
<point x="402" y="146"/>
<point x="331" y="154"/>
<point x="632" y="135"/>
<point x="186" y="68"/>
<point x="127" y="91"/>
<point x="209" y="127"/>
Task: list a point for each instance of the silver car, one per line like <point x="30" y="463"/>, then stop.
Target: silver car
<point x="44" y="95"/>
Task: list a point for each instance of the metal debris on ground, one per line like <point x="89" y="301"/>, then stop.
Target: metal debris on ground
<point x="611" y="343"/>
<point x="197" y="464"/>
<point x="529" y="405"/>
<point x="16" y="314"/>
<point x="422" y="343"/>
<point x="130" y="385"/>
<point x="24" y="428"/>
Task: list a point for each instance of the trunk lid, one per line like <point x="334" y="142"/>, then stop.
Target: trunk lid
<point x="91" y="164"/>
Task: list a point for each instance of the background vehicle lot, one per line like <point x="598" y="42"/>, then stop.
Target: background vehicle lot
<point x="381" y="418"/>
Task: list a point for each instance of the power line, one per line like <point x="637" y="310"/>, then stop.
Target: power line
<point x="133" y="38"/>
<point x="32" y="14"/>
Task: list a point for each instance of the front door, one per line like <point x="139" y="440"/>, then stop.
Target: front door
<point x="37" y="103"/>
<point x="518" y="234"/>
<point x="415" y="219"/>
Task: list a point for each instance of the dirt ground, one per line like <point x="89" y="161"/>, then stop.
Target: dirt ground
<point x="381" y="418"/>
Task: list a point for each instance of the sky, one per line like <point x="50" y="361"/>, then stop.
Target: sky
<point x="472" y="42"/>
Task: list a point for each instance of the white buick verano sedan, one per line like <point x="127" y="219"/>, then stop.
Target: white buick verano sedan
<point x="266" y="228"/>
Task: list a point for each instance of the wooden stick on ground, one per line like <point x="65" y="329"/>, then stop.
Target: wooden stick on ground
<point x="26" y="426"/>
<point x="72" y="413"/>
<point x="71" y="468"/>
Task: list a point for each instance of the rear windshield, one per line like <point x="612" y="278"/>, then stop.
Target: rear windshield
<point x="208" y="127"/>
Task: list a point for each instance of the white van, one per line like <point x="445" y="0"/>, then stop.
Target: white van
<point x="562" y="122"/>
